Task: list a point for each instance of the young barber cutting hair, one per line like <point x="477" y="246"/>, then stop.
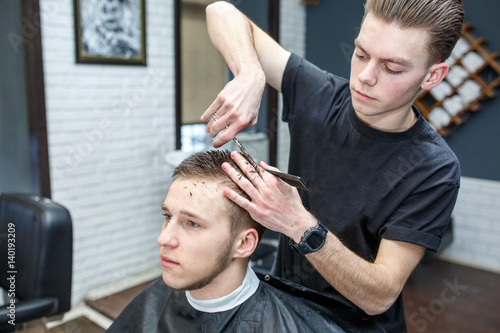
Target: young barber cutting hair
<point x="382" y="183"/>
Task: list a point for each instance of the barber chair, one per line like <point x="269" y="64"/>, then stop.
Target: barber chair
<point x="36" y="251"/>
<point x="263" y="258"/>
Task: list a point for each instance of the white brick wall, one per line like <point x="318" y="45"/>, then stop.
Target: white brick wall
<point x="293" y="39"/>
<point x="477" y="225"/>
<point x="109" y="127"/>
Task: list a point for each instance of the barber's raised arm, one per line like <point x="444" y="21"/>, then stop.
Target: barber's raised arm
<point x="253" y="57"/>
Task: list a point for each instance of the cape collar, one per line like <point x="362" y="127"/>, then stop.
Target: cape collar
<point x="228" y="302"/>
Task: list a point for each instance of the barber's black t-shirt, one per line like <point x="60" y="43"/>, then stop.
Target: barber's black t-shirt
<point x="364" y="184"/>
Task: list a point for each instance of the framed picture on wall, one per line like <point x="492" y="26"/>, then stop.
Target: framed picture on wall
<point x="110" y="31"/>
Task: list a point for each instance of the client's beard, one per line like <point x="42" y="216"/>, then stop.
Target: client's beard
<point x="223" y="261"/>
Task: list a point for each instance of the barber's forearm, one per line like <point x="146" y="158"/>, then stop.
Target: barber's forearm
<point x="368" y="285"/>
<point x="231" y="33"/>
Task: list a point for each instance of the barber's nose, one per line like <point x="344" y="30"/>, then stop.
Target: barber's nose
<point x="368" y="74"/>
<point x="168" y="235"/>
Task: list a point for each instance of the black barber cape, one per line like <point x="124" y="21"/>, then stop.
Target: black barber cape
<point x="276" y="306"/>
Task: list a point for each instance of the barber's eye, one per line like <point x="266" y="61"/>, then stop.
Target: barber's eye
<point x="167" y="217"/>
<point x="359" y="56"/>
<point x="193" y="224"/>
<point x="392" y="72"/>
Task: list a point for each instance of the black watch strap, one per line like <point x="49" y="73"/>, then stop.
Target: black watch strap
<point x="312" y="240"/>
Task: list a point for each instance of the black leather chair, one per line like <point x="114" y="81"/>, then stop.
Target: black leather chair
<point x="36" y="251"/>
<point x="263" y="258"/>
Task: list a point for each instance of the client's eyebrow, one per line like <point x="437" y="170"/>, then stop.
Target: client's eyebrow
<point x="397" y="60"/>
<point x="193" y="215"/>
<point x="183" y="212"/>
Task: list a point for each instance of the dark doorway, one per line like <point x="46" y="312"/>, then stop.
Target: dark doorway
<point x="266" y="14"/>
<point x="24" y="164"/>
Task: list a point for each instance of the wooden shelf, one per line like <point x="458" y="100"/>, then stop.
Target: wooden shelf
<point x="486" y="77"/>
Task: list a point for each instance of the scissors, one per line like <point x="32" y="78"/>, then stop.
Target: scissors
<point x="292" y="180"/>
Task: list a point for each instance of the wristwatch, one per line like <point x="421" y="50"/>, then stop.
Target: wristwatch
<point x="312" y="240"/>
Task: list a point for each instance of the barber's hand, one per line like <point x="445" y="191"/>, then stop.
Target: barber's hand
<point x="273" y="203"/>
<point x="237" y="105"/>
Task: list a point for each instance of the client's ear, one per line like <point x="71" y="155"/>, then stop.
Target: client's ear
<point x="246" y="243"/>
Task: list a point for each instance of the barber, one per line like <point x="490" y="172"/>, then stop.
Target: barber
<point x="382" y="183"/>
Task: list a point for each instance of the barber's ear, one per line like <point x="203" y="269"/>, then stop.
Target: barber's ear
<point x="436" y="74"/>
<point x="246" y="243"/>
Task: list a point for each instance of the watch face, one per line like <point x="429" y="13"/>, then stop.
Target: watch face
<point x="314" y="240"/>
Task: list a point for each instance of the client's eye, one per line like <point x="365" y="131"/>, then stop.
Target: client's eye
<point x="193" y="224"/>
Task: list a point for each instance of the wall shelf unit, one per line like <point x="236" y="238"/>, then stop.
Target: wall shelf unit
<point x="474" y="74"/>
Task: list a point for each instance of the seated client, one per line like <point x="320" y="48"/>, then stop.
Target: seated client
<point x="207" y="285"/>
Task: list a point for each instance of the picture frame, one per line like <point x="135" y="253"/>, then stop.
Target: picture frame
<point x="110" y="32"/>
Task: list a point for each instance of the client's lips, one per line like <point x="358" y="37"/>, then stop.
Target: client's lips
<point x="362" y="96"/>
<point x="168" y="262"/>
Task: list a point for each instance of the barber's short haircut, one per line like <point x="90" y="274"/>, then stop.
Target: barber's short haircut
<point x="207" y="165"/>
<point x="443" y="19"/>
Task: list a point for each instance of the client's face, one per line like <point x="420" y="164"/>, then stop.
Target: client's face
<point x="195" y="239"/>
